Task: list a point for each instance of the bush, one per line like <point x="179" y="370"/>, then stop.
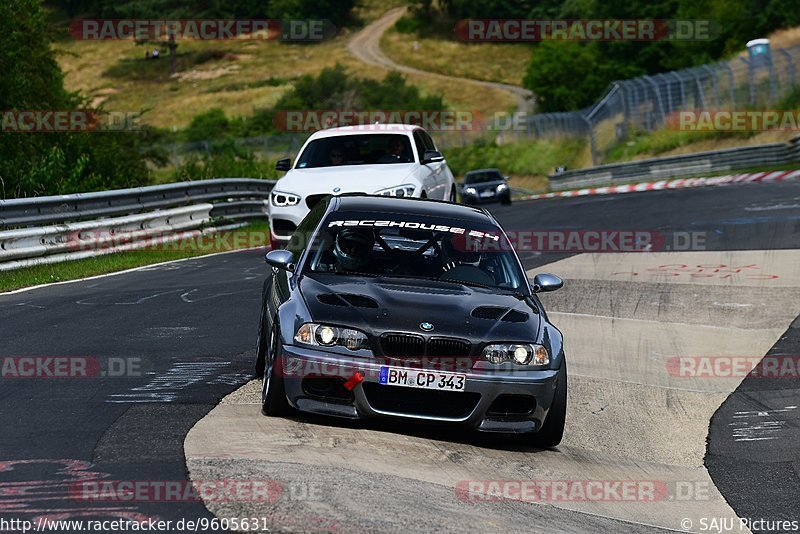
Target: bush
<point x="408" y="25"/>
<point x="213" y="124"/>
<point x="229" y="163"/>
<point x="334" y="89"/>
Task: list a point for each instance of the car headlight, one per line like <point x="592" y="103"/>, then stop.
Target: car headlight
<point x="284" y="199"/>
<point x="520" y="353"/>
<point x="471" y="191"/>
<point x="502" y="187"/>
<point x="398" y="191"/>
<point x="322" y="335"/>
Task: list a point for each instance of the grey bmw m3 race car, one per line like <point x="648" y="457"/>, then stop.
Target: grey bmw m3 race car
<point x="410" y="309"/>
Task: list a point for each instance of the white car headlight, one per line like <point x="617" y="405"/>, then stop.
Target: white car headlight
<point x="471" y="191"/>
<point x="520" y="353"/>
<point x="502" y="187"/>
<point x="398" y="191"/>
<point x="322" y="335"/>
<point x="284" y="199"/>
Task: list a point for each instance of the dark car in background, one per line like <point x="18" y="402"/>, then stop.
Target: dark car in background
<point x="484" y="185"/>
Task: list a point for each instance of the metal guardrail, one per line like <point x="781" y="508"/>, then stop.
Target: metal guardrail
<point x="232" y="198"/>
<point x="682" y="166"/>
<point x="43" y="230"/>
<point x="50" y="244"/>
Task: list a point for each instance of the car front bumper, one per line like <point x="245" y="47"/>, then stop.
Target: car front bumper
<point x="477" y="199"/>
<point x="475" y="407"/>
<point x="284" y="220"/>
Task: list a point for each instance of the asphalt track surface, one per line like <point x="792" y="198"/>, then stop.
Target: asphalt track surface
<point x="190" y="328"/>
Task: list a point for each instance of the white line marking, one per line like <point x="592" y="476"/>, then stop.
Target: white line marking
<point x="126" y="271"/>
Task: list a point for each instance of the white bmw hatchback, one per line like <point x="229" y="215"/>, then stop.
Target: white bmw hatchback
<point x="384" y="159"/>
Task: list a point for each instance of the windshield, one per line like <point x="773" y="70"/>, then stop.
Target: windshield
<point x="397" y="245"/>
<point x="363" y="149"/>
<point x="482" y="177"/>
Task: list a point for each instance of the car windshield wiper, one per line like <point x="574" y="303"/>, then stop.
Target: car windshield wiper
<point x="473" y="284"/>
<point x="484" y="286"/>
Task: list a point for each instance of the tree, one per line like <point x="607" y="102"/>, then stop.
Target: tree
<point x="53" y="163"/>
<point x="565" y="75"/>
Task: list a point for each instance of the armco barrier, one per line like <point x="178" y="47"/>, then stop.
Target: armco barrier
<point x="43" y="230"/>
<point x="681" y="166"/>
<point x="230" y="196"/>
<point x="81" y="236"/>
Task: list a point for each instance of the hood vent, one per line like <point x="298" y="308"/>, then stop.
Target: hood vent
<point x="489" y="312"/>
<point x="493" y="313"/>
<point x="515" y="316"/>
<point x="360" y="301"/>
<point x="346" y="299"/>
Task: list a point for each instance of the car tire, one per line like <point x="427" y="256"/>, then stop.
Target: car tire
<point x="261" y="350"/>
<point x="452" y="194"/>
<point x="505" y="201"/>
<point x="552" y="431"/>
<point x="262" y="341"/>
<point x="273" y="392"/>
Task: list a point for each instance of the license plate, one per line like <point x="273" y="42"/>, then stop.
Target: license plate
<point x="418" y="378"/>
<point x="487" y="194"/>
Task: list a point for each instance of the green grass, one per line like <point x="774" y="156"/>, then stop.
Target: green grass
<point x="527" y="158"/>
<point x="74" y="270"/>
<point x="661" y="141"/>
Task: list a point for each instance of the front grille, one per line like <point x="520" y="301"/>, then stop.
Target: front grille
<point x="453" y="348"/>
<point x="411" y="346"/>
<point x="409" y="401"/>
<point x="403" y="346"/>
<point x="313" y="200"/>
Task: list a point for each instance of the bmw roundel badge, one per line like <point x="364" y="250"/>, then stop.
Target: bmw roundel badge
<point x="337" y="189"/>
<point x="427" y="327"/>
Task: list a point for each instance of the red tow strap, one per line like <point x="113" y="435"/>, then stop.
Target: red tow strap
<point x="355" y="380"/>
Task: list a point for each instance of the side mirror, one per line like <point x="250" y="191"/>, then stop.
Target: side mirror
<point x="432" y="156"/>
<point x="506" y="178"/>
<point x="284" y="164"/>
<point x="280" y="259"/>
<point x="544" y="282"/>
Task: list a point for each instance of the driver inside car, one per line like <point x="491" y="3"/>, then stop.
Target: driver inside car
<point x="353" y="248"/>
<point x="461" y="256"/>
<point x="397" y="148"/>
